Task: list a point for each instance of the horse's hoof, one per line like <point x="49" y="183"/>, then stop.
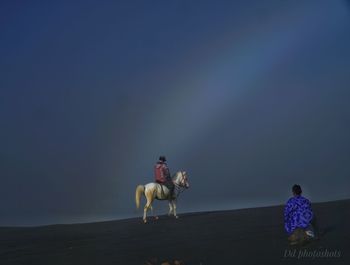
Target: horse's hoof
<point x="176" y="216"/>
<point x="144" y="221"/>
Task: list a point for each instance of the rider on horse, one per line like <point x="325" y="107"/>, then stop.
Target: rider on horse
<point x="162" y="175"/>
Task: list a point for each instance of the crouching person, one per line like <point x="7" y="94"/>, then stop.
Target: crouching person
<point x="299" y="220"/>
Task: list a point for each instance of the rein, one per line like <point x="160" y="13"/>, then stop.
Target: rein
<point x="179" y="190"/>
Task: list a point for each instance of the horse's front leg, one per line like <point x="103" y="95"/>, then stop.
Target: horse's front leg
<point x="170" y="208"/>
<point x="174" y="209"/>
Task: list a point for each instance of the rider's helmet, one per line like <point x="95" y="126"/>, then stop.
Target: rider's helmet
<point x="162" y="158"/>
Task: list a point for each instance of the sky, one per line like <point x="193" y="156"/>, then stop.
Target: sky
<point x="249" y="97"/>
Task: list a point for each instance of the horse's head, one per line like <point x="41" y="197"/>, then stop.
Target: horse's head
<point x="182" y="179"/>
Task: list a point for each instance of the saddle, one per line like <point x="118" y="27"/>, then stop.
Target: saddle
<point x="163" y="193"/>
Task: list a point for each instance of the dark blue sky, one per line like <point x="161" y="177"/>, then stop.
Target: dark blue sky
<point x="249" y="97"/>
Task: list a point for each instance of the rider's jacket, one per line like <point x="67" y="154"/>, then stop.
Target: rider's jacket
<point x="161" y="172"/>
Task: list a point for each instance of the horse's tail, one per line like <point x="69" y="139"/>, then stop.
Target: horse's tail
<point x="139" y="191"/>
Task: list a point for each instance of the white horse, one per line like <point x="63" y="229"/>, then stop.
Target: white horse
<point x="160" y="192"/>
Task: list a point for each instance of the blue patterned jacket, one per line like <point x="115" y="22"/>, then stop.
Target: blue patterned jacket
<point x="297" y="213"/>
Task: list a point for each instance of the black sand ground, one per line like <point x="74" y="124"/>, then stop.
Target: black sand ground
<point x="248" y="236"/>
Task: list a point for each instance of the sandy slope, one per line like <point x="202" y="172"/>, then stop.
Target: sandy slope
<point x="248" y="236"/>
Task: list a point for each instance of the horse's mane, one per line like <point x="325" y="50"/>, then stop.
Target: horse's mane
<point x="175" y="175"/>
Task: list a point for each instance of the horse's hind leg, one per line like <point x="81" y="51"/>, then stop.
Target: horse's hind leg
<point x="145" y="209"/>
<point x="152" y="211"/>
<point x="149" y="197"/>
<point x="152" y="199"/>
